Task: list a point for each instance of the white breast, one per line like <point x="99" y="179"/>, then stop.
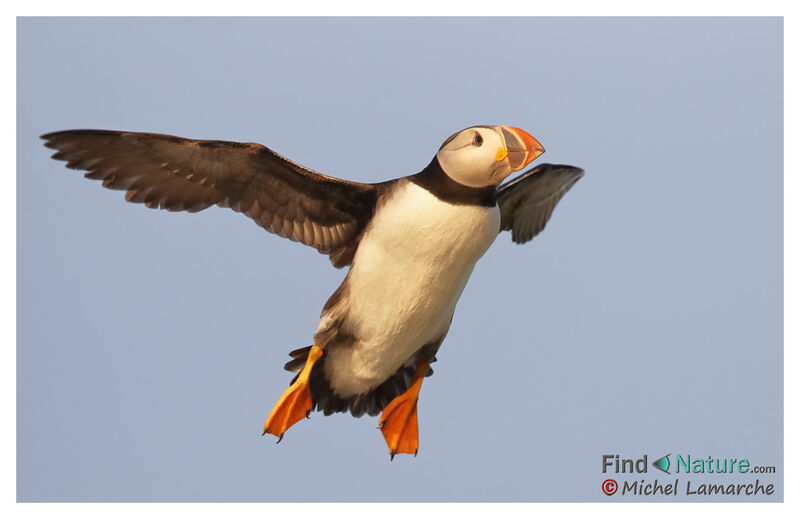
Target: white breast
<point x="407" y="275"/>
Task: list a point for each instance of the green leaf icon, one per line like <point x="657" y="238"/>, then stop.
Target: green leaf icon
<point x="662" y="463"/>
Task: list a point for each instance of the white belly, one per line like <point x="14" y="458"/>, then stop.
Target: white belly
<point x="407" y="275"/>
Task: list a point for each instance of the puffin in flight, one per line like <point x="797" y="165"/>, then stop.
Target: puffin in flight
<point x="411" y="244"/>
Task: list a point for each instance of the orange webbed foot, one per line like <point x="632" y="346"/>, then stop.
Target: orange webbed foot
<point x="398" y="423"/>
<point x="295" y="403"/>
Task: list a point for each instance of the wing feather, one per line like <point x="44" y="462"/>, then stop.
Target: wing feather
<point x="527" y="202"/>
<point x="177" y="174"/>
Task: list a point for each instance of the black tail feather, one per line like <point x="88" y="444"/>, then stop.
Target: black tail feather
<point x="326" y="400"/>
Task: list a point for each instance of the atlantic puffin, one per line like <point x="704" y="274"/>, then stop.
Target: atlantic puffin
<point x="411" y="244"/>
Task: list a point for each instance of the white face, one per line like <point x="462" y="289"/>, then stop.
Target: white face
<point x="484" y="156"/>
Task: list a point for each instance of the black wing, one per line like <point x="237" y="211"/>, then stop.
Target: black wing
<point x="527" y="202"/>
<point x="180" y="174"/>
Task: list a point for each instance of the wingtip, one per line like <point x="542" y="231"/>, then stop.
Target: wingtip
<point x="50" y="138"/>
<point x="52" y="135"/>
<point x="77" y="132"/>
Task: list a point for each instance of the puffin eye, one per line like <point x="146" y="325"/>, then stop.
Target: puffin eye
<point x="477" y="140"/>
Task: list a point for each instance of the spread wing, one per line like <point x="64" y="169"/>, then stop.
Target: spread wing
<point x="527" y="202"/>
<point x="180" y="174"/>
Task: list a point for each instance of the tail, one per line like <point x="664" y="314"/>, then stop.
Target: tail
<point x="325" y="399"/>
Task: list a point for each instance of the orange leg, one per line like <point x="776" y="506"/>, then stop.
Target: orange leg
<point x="295" y="403"/>
<point x="398" y="422"/>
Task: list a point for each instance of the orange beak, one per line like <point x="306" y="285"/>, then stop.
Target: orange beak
<point x="521" y="146"/>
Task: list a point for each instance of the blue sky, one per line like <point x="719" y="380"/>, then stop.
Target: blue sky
<point x="644" y="319"/>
